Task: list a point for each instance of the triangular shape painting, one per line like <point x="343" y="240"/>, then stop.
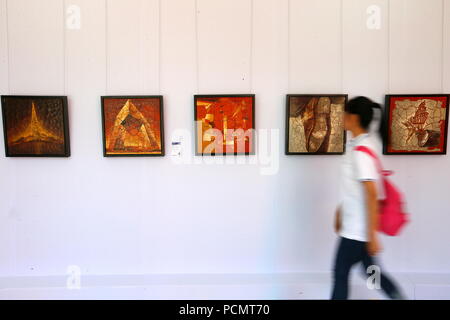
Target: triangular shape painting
<point x="132" y="126"/>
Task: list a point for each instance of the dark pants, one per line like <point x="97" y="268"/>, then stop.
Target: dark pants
<point x="349" y="253"/>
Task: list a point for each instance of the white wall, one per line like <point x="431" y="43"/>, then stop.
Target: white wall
<point x="150" y="215"/>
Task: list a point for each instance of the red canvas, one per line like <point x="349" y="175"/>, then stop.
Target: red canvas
<point x="224" y="124"/>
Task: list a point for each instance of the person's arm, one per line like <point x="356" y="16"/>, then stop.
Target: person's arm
<point x="337" y="220"/>
<point x="373" y="244"/>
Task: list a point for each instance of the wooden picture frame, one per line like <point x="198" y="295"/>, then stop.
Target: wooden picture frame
<point x="125" y="119"/>
<point x="35" y="126"/>
<point x="297" y="140"/>
<point x="224" y="106"/>
<point x="419" y="127"/>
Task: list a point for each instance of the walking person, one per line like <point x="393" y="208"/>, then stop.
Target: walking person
<point x="356" y="220"/>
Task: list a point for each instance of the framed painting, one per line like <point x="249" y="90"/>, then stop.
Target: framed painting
<point x="224" y="124"/>
<point x="315" y="124"/>
<point x="416" y="124"/>
<point x="132" y="126"/>
<point x="35" y="126"/>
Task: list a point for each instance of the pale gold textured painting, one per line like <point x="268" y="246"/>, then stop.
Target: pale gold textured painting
<point x="314" y="124"/>
<point x="416" y="124"/>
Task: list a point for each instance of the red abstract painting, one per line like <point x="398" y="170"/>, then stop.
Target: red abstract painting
<point x="224" y="124"/>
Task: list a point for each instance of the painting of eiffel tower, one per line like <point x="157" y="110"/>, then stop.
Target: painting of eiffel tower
<point x="35" y="126"/>
<point x="132" y="126"/>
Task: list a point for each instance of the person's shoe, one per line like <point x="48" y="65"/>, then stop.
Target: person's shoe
<point x="397" y="296"/>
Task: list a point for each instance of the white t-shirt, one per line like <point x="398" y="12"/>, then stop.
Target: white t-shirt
<point x="357" y="166"/>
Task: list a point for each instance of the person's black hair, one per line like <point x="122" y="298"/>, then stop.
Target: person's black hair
<point x="363" y="107"/>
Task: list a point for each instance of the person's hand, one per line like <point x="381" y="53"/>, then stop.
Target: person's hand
<point x="373" y="246"/>
<point x="337" y="220"/>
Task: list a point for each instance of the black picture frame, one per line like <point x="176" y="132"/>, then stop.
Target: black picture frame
<point x="386" y="119"/>
<point x="201" y="96"/>
<point x="161" y="112"/>
<point x="65" y="120"/>
<point x="287" y="127"/>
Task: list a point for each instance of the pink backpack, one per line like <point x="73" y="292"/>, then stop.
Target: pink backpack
<point x="392" y="216"/>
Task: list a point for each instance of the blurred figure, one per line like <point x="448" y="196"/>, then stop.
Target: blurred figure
<point x="356" y="220"/>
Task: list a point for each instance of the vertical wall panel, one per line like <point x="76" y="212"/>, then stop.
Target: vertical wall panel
<point x="446" y="48"/>
<point x="132" y="46"/>
<point x="85" y="75"/>
<point x="150" y="22"/>
<point x="7" y="224"/>
<point x="123" y="47"/>
<point x="167" y="230"/>
<point x="315" y="46"/>
<point x="86" y="82"/>
<point x="269" y="82"/>
<point x="415" y="46"/>
<point x="365" y="48"/>
<point x="269" y="58"/>
<point x="224" y="40"/>
<point x="4" y="69"/>
<point x="36" y="47"/>
<point x="3" y="49"/>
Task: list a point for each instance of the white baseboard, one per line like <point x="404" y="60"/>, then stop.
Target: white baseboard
<point x="215" y="286"/>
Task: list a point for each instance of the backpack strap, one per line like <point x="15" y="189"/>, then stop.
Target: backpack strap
<point x="377" y="160"/>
